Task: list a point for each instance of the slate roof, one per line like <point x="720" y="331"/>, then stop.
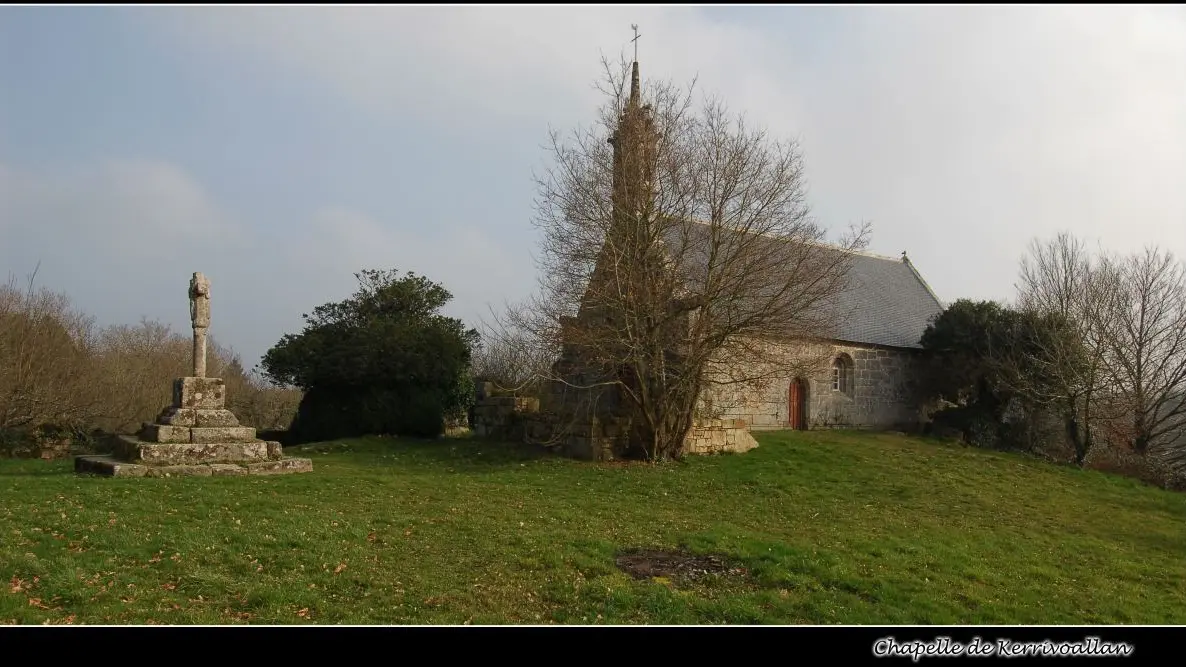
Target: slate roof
<point x="887" y="302"/>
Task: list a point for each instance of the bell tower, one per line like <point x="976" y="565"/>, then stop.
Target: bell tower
<point x="635" y="145"/>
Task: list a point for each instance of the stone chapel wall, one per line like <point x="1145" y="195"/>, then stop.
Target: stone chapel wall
<point x="882" y="395"/>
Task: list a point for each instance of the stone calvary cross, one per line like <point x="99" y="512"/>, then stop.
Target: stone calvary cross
<point x="196" y="434"/>
<point x="199" y="315"/>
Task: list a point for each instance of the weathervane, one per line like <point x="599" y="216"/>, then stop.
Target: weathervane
<point x="634" y="26"/>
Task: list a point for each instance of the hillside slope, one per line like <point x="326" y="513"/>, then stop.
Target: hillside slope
<point x="810" y="527"/>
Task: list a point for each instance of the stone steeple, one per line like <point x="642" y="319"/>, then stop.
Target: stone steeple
<point x="635" y="143"/>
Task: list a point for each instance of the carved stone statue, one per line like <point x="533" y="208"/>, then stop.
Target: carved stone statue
<point x="199" y="315"/>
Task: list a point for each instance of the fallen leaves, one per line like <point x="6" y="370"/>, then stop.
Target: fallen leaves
<point x="341" y="566"/>
<point x="304" y="613"/>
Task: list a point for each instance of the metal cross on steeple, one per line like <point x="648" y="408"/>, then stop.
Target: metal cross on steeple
<point x="634" y="26"/>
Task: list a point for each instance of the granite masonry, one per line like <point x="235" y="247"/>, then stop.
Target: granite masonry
<point x="596" y="436"/>
<point x="718" y="436"/>
<point x="862" y="387"/>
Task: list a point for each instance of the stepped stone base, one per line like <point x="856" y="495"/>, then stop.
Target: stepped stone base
<point x="197" y="435"/>
<point x="134" y="450"/>
<point x="111" y="467"/>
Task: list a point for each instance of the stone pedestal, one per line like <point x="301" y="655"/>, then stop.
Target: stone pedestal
<point x="196" y="435"/>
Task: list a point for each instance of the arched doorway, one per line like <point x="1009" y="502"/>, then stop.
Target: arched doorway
<point x="797" y="404"/>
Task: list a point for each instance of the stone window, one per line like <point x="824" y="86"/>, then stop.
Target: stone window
<point x="842" y="374"/>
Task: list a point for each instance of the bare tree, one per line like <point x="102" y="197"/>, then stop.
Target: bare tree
<point x="1145" y="341"/>
<point x="512" y="360"/>
<point x="43" y="348"/>
<point x="676" y="256"/>
<point x="1062" y="364"/>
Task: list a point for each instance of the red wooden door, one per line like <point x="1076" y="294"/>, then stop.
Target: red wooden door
<point x="796" y="405"/>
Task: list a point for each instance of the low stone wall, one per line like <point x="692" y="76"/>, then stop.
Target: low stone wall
<point x="715" y="436"/>
<point x="47" y="444"/>
<point x="595" y="439"/>
<point x="588" y="434"/>
<point x="502" y="417"/>
<point x="598" y="439"/>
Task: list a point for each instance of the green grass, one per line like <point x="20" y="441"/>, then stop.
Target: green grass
<point x="832" y="527"/>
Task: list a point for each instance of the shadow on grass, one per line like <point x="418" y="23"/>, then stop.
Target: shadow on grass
<point x="456" y="453"/>
<point x="34" y="468"/>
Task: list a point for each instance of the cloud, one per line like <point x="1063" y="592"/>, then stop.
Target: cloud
<point x="960" y="132"/>
<point x="507" y="61"/>
<point x="338" y="242"/>
<point x="975" y="129"/>
<point x="130" y="209"/>
<point x="121" y="237"/>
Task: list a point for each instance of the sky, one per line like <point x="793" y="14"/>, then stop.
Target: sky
<point x="279" y="150"/>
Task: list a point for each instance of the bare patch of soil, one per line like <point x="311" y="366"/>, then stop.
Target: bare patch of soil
<point x="681" y="565"/>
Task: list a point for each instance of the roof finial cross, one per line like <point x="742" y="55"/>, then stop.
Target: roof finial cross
<point x="634" y="26"/>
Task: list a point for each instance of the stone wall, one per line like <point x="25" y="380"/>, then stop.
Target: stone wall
<point x="583" y="421"/>
<point x="881" y="395"/>
<point x="599" y="439"/>
<point x="502" y="417"/>
<point x="587" y="430"/>
<point x="48" y="443"/>
<point x="716" y="436"/>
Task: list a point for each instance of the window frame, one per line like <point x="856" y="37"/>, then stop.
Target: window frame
<point x="842" y="374"/>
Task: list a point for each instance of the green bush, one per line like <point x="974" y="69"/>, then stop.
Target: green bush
<point x="383" y="362"/>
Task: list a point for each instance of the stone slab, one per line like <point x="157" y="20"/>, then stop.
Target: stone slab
<point x="190" y="417"/>
<point x="177" y="471"/>
<point x="108" y="466"/>
<point x="127" y="448"/>
<point x="275" y="451"/>
<point x="194" y="453"/>
<point x="212" y="434"/>
<point x="218" y="418"/>
<point x="280" y="467"/>
<point x="199" y="393"/>
<point x="164" y="433"/>
<point x="172" y="416"/>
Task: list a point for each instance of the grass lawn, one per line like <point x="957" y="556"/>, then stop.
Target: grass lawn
<point x="829" y="528"/>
